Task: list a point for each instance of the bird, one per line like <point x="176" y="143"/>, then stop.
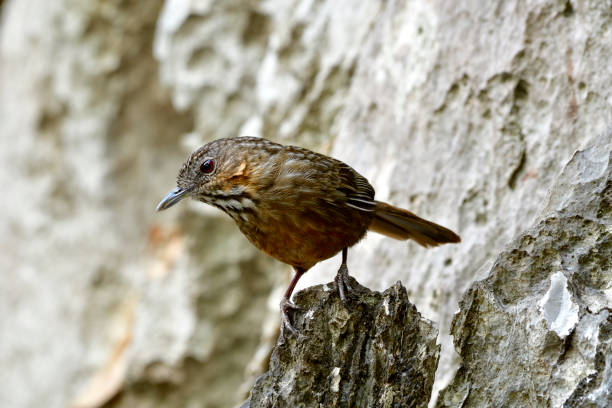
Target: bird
<point x="296" y="205"/>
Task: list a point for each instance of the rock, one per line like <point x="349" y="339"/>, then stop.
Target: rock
<point x="464" y="112"/>
<point x="378" y="352"/>
<point x="537" y="331"/>
<point x="101" y="297"/>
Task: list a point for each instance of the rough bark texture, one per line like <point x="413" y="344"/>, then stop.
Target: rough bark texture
<point x="377" y="351"/>
<point x="464" y="112"/>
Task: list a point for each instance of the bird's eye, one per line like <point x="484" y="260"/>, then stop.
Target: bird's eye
<point x="207" y="166"/>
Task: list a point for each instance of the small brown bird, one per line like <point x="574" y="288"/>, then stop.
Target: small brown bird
<point x="296" y="205"/>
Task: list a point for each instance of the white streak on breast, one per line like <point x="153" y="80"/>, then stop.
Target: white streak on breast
<point x="247" y="203"/>
<point x="233" y="203"/>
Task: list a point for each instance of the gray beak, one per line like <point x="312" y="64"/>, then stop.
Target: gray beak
<point x="174" y="197"/>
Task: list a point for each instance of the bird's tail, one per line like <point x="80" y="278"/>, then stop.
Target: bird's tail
<point x="402" y="224"/>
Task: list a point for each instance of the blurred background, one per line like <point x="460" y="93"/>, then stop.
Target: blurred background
<point x="461" y="111"/>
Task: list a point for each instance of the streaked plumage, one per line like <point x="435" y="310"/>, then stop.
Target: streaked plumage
<point x="296" y="205"/>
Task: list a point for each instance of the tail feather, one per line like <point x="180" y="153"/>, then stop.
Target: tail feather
<point x="402" y="224"/>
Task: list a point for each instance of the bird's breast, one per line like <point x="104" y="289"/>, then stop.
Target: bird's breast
<point x="302" y="236"/>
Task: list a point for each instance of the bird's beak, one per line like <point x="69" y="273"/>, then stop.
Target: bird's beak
<point x="174" y="197"/>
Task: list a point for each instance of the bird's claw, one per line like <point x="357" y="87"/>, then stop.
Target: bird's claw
<point x="285" y="306"/>
<point x="343" y="283"/>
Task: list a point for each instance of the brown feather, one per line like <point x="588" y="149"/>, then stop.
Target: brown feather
<point x="402" y="224"/>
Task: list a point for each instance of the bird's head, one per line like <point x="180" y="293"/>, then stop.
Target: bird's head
<point x="219" y="172"/>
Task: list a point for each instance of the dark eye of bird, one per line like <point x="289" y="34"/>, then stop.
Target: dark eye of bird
<point x="207" y="166"/>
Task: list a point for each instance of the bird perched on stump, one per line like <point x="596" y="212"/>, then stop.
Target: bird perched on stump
<point x="296" y="205"/>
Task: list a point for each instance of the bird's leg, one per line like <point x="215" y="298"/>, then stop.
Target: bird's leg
<point x="286" y="304"/>
<point x="342" y="278"/>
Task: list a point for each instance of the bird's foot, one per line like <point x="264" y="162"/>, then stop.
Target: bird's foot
<point x="343" y="282"/>
<point x="285" y="306"/>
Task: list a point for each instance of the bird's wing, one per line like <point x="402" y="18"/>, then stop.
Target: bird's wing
<point x="358" y="191"/>
<point x="333" y="181"/>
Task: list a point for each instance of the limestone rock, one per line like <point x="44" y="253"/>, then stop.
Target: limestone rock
<point x="464" y="112"/>
<point x="378" y="352"/>
<point x="537" y="331"/>
<point x="101" y="297"/>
